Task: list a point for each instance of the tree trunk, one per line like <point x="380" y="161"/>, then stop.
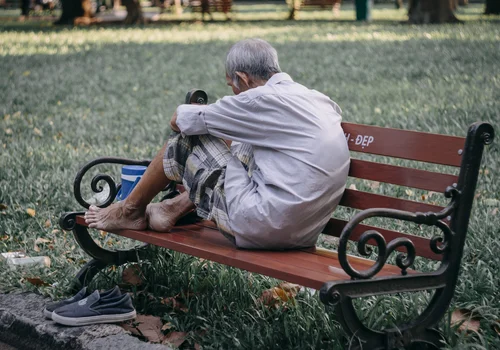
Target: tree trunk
<point x="25" y="8"/>
<point x="73" y="9"/>
<point x="398" y="3"/>
<point x="134" y="12"/>
<point x="432" y="11"/>
<point x="492" y="7"/>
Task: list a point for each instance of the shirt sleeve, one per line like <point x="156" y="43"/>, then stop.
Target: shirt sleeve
<point x="232" y="118"/>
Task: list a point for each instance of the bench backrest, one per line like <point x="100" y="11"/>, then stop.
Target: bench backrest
<point x="395" y="143"/>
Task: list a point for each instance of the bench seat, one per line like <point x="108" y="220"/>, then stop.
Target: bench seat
<point x="311" y="267"/>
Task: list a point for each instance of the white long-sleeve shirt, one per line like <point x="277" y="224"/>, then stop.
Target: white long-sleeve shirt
<point x="301" y="160"/>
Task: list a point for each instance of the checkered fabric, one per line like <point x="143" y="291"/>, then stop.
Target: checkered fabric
<point x="199" y="163"/>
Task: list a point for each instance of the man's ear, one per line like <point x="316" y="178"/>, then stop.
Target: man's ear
<point x="244" y="80"/>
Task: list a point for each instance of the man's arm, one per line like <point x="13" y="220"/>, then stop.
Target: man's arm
<point x="231" y="118"/>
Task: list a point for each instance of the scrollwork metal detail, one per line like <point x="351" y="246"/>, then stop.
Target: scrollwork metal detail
<point x="438" y="244"/>
<point x="97" y="180"/>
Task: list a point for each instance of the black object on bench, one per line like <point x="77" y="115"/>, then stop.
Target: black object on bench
<point x="342" y="277"/>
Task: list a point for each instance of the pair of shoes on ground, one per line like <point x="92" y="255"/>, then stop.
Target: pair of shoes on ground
<point x="89" y="308"/>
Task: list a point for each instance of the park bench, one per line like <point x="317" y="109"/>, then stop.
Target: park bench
<point x="340" y="275"/>
<point x="297" y="5"/>
<point x="211" y="6"/>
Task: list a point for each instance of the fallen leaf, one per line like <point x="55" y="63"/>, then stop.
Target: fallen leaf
<point x="409" y="192"/>
<point x="197" y="346"/>
<point x="167" y="326"/>
<point x="38" y="132"/>
<point x="486" y="171"/>
<point x="276" y="296"/>
<point x="36" y="281"/>
<point x="26" y="73"/>
<point x="150" y="328"/>
<point x="47" y="224"/>
<point x="494" y="212"/>
<point x="130" y="327"/>
<point x="352" y="187"/>
<point x="290" y="287"/>
<point x="38" y="241"/>
<point x="55" y="231"/>
<point x="3" y="206"/>
<point x="465" y="321"/>
<point x="374" y="185"/>
<point x="103" y="233"/>
<point x="174" y="303"/>
<point x="8" y="131"/>
<point x="132" y="275"/>
<point x="31" y="212"/>
<point x="175" y="338"/>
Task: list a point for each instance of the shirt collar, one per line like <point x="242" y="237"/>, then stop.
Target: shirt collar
<point x="277" y="78"/>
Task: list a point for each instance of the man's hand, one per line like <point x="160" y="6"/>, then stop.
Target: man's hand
<point x="173" y="123"/>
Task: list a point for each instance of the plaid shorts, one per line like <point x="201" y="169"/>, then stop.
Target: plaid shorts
<point x="199" y="163"/>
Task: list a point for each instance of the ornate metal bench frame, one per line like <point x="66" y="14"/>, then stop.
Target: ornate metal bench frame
<point x="340" y="294"/>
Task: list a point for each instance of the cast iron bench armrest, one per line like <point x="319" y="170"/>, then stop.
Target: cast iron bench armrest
<point x="438" y="244"/>
<point x="95" y="184"/>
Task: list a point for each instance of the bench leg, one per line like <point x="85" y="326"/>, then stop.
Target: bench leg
<point x="361" y="337"/>
<point x="101" y="257"/>
<point x="419" y="333"/>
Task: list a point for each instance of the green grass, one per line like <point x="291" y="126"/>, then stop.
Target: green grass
<point x="73" y="94"/>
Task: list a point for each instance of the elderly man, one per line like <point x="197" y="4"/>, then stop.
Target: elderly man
<point x="274" y="187"/>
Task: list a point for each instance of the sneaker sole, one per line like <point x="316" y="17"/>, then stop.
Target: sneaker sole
<point x="47" y="314"/>
<point x="83" y="321"/>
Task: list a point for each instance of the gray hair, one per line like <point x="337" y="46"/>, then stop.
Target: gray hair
<point x="256" y="57"/>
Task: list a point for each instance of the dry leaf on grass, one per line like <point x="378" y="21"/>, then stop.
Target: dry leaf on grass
<point x="167" y="326"/>
<point x="175" y="338"/>
<point x="465" y="321"/>
<point x="150" y="328"/>
<point x="494" y="212"/>
<point x="36" y="281"/>
<point x="3" y="206"/>
<point x="197" y="346"/>
<point x="352" y="187"/>
<point x="38" y="241"/>
<point x="132" y="275"/>
<point x="282" y="294"/>
<point x="31" y="212"/>
<point x="175" y="303"/>
<point x="147" y="327"/>
<point x="47" y="223"/>
<point x="129" y="327"/>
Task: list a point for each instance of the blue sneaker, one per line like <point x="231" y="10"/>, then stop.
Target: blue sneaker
<point x="47" y="312"/>
<point x="94" y="309"/>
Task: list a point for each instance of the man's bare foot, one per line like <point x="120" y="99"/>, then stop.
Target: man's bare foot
<point x="115" y="217"/>
<point x="163" y="216"/>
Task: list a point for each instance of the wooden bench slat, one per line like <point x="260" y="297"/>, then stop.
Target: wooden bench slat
<point x="396" y="175"/>
<point x="365" y="200"/>
<point x="319" y="258"/>
<point x="422" y="245"/>
<point x="405" y="144"/>
<point x="294" y="266"/>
